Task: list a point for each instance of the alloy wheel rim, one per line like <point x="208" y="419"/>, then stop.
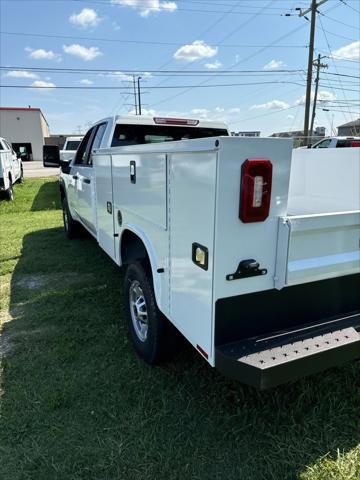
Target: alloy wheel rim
<point x="138" y="311"/>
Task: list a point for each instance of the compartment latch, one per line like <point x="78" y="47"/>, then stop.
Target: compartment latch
<point x="247" y="268"/>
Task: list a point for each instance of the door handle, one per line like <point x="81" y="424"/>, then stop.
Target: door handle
<point x="86" y="180"/>
<point x="75" y="177"/>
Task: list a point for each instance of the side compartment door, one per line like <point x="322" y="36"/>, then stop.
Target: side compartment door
<point x="192" y="194"/>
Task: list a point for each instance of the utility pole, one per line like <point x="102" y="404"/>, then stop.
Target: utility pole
<point x="139" y="94"/>
<point x="318" y="65"/>
<point x="312" y="9"/>
<point x="135" y="97"/>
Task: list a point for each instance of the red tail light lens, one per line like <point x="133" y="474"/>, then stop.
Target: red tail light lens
<point x="255" y="192"/>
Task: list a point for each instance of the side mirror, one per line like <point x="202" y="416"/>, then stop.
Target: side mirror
<point x="51" y="156"/>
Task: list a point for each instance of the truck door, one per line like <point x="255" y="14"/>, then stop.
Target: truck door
<point x="82" y="183"/>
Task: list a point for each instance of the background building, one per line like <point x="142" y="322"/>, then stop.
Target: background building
<point x="350" y="129"/>
<point x="25" y="129"/>
<point x="246" y="134"/>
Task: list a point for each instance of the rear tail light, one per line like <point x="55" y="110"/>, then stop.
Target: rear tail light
<point x="175" y="121"/>
<point x="255" y="191"/>
<point x="355" y="143"/>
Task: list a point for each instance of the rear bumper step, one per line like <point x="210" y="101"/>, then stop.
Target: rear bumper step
<point x="288" y="355"/>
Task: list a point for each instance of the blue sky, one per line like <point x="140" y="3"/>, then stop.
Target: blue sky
<point x="213" y="36"/>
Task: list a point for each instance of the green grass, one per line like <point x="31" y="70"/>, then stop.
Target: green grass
<point x="76" y="403"/>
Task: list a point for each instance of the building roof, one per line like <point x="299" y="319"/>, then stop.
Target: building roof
<point x="354" y="123"/>
<point x="27" y="109"/>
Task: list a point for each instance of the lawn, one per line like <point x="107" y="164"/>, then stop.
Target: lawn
<point x="76" y="403"/>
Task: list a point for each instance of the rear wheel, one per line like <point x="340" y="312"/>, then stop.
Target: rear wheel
<point x="71" y="227"/>
<point x="154" y="338"/>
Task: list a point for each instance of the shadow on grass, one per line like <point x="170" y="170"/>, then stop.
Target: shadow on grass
<point x="47" y="198"/>
<point x="78" y="404"/>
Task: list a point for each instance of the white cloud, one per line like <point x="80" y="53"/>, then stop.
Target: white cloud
<point x="84" y="19"/>
<point x="195" y="51"/>
<point x="274" y="64"/>
<point x="326" y="96"/>
<point x="290" y="117"/>
<point x="82" y="52"/>
<point x="349" y="52"/>
<point x="43" y="86"/>
<point x="85" y="81"/>
<point x="272" y="105"/>
<point x="323" y="95"/>
<point x="20" y="74"/>
<point x="146" y="7"/>
<point x="42" y="54"/>
<point x="214" y="65"/>
<point x="115" y="26"/>
<point x="123" y="77"/>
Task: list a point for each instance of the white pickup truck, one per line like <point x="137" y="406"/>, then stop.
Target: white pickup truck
<point x="11" y="169"/>
<point x="70" y="147"/>
<point x="252" y="256"/>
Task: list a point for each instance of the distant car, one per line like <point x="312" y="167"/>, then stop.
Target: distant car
<point x="11" y="169"/>
<point x="70" y="147"/>
<point x="337" y="142"/>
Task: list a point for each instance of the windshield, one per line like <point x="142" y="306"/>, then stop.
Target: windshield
<point x="142" y="134"/>
<point x="72" y="145"/>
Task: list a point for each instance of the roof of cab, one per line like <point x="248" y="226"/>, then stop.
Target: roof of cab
<point x="147" y="120"/>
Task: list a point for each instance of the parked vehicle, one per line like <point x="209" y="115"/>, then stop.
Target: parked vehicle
<point x="11" y="169"/>
<point x="70" y="147"/>
<point x="337" y="142"/>
<point x="201" y="221"/>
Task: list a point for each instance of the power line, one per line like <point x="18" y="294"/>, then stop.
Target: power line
<point x="136" y="42"/>
<point x="162" y="87"/>
<point x="130" y="72"/>
<point x="339" y="21"/>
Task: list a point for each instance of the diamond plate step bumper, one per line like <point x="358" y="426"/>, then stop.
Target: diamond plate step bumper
<point x="288" y="355"/>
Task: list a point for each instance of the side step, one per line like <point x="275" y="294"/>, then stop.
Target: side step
<point x="288" y="355"/>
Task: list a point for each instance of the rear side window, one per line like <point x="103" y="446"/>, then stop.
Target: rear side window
<point x="1" y="145"/>
<point x="125" y="135"/>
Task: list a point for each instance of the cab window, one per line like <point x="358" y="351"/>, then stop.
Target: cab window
<point x="82" y="153"/>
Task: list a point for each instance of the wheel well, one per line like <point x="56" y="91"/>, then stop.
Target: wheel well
<point x="132" y="249"/>
<point x="10" y="178"/>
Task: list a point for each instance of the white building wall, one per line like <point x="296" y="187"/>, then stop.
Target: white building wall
<point x="24" y="126"/>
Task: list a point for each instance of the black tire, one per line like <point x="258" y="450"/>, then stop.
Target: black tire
<point x="162" y="339"/>
<point x="71" y="227"/>
<point x="21" y="179"/>
<point x="9" y="193"/>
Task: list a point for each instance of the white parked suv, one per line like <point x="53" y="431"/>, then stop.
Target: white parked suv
<point x="11" y="169"/>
